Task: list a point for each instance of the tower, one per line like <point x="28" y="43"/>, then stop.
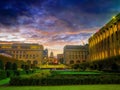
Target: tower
<point x="51" y="55"/>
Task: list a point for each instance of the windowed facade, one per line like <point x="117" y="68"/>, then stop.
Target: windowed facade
<point x="75" y="53"/>
<point x="106" y="42"/>
<point x="24" y="51"/>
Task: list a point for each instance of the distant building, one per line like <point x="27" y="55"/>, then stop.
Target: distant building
<point x="106" y="42"/>
<point x="75" y="54"/>
<point x="51" y="58"/>
<point x="60" y="58"/>
<point x="45" y="53"/>
<point x="45" y="56"/>
<point x="51" y="55"/>
<point x="31" y="53"/>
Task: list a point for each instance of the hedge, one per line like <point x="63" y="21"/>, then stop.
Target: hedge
<point x="67" y="80"/>
<point x="11" y="73"/>
<point x="2" y="74"/>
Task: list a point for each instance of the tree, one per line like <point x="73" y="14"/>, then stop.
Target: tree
<point x="8" y="66"/>
<point x="14" y="66"/>
<point x="114" y="67"/>
<point x="23" y="66"/>
<point x="27" y="67"/>
<point x="1" y="65"/>
<point x="76" y="66"/>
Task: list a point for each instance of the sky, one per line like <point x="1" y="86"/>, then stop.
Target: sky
<point x="54" y="23"/>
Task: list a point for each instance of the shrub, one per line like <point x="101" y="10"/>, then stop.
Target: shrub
<point x="1" y="65"/>
<point x="2" y="74"/>
<point x="109" y="64"/>
<point x="66" y="80"/>
<point x="14" y="66"/>
<point x="9" y="73"/>
<point x="8" y="66"/>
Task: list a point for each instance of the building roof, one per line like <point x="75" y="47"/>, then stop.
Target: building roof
<point x="112" y="21"/>
<point x="75" y="46"/>
<point x="22" y="45"/>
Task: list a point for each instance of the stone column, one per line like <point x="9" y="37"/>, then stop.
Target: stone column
<point x="118" y="29"/>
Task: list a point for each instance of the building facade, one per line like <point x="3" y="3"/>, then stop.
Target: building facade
<point x="45" y="56"/>
<point x="51" y="58"/>
<point x="106" y="42"/>
<point x="74" y="54"/>
<point x="31" y="53"/>
<point x="60" y="58"/>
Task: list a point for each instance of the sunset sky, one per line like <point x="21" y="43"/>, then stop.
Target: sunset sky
<point x="54" y="23"/>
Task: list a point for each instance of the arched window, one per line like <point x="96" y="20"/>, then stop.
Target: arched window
<point x="35" y="62"/>
<point x="77" y="61"/>
<point x="28" y="62"/>
<point x="71" y="62"/>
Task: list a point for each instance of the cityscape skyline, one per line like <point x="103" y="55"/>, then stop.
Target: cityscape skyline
<point x="54" y="23"/>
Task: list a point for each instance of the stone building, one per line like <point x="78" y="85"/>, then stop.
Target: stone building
<point x="60" y="58"/>
<point x="75" y="54"/>
<point x="51" y="58"/>
<point x="45" y="56"/>
<point x="106" y="42"/>
<point x="31" y="53"/>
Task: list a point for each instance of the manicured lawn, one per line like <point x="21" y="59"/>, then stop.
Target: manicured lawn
<point x="74" y="87"/>
<point x="4" y="81"/>
<point x="76" y="72"/>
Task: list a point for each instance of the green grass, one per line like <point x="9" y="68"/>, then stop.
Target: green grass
<point x="74" y="87"/>
<point x="76" y="72"/>
<point x="4" y="81"/>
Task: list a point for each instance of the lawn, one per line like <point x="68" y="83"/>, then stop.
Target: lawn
<point x="76" y="72"/>
<point x="4" y="81"/>
<point x="74" y="87"/>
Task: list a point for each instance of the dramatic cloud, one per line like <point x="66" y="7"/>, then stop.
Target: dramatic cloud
<point x="54" y="23"/>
